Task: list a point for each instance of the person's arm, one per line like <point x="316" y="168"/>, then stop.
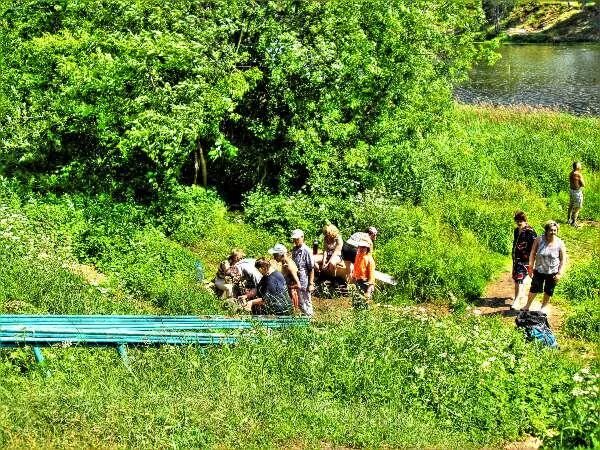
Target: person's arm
<point x="337" y="251"/>
<point x="325" y="260"/>
<point x="370" y="278"/>
<point x="581" y="182"/>
<point x="294" y="273"/>
<point x="562" y="257"/>
<point x="250" y="303"/>
<point x="532" y="254"/>
<point x="311" y="272"/>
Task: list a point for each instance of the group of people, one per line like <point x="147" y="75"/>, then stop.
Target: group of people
<point x="543" y="258"/>
<point x="263" y="288"/>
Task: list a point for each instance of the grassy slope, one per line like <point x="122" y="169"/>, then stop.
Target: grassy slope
<point x="371" y="380"/>
<point x="552" y="21"/>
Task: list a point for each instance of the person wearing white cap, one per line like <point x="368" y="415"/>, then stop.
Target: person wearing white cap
<point x="303" y="258"/>
<point x="363" y="272"/>
<point x="289" y="271"/>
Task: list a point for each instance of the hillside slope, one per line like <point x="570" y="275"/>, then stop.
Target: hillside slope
<point x="553" y="22"/>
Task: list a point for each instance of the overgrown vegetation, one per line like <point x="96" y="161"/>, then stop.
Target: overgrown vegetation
<point x="138" y="96"/>
<point x="300" y="113"/>
<point x="361" y="385"/>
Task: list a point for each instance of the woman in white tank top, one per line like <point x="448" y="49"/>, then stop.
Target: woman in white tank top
<point x="548" y="259"/>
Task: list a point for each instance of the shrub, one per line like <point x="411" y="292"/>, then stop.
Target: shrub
<point x="432" y="262"/>
<point x="190" y="212"/>
<point x="584" y="322"/>
<point x="583" y="282"/>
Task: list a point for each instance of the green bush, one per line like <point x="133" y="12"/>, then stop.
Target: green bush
<point x="584" y="321"/>
<point x="433" y="262"/>
<point x="490" y="222"/>
<point x="583" y="282"/>
<point x="161" y="272"/>
<point x="190" y="212"/>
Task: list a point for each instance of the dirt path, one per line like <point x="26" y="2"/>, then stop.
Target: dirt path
<point x="498" y="297"/>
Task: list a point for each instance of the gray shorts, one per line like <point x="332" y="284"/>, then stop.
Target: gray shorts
<point x="576" y="198"/>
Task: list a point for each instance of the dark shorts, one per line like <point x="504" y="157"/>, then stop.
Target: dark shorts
<point x="348" y="252"/>
<point x="542" y="282"/>
<point x="519" y="272"/>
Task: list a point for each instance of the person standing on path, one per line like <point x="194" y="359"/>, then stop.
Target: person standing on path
<point x="548" y="260"/>
<point x="523" y="239"/>
<point x="576" y="184"/>
<point x="303" y="258"/>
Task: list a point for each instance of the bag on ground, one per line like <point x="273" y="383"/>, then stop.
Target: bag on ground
<point x="537" y="328"/>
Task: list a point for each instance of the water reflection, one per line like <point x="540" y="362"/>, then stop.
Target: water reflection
<point x="559" y="76"/>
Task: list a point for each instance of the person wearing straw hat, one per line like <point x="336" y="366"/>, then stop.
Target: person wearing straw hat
<point x="350" y="247"/>
<point x="303" y="258"/>
<point x="289" y="271"/>
<point x="363" y="272"/>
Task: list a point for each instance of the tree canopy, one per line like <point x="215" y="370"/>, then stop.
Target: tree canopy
<point x="138" y="96"/>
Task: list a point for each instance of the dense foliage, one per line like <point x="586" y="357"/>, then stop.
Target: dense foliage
<point x="135" y="96"/>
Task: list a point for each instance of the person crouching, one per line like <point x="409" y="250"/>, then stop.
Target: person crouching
<point x="272" y="292"/>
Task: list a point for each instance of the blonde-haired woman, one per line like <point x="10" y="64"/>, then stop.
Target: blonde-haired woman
<point x="332" y="250"/>
<point x="548" y="259"/>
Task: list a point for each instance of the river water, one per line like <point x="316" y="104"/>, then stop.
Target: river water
<point x="565" y="77"/>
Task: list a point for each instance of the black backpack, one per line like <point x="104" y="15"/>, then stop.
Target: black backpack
<point x="536" y="326"/>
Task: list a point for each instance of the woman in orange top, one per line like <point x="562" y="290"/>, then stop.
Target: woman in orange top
<point x="363" y="273"/>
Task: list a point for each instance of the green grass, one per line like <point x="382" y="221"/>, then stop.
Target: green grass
<point x="365" y="380"/>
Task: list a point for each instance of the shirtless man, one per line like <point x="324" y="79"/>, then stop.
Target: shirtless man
<point x="576" y="194"/>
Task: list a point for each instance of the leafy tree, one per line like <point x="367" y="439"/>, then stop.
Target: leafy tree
<point x="139" y="96"/>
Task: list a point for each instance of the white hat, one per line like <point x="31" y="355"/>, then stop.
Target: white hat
<point x="297" y="234"/>
<point x="365" y="242"/>
<point x="278" y="249"/>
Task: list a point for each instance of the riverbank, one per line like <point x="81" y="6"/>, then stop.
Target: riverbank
<point x="374" y="379"/>
<point x="555" y="22"/>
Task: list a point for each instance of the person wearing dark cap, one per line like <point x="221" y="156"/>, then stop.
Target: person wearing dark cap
<point x="303" y="258"/>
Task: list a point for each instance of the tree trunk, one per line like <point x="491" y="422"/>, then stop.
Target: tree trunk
<point x="200" y="165"/>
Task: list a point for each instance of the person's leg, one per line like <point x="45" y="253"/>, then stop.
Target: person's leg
<point x="570" y="213"/>
<point x="548" y="292"/>
<point x="318" y="260"/>
<point x="575" y="215"/>
<point x="519" y="287"/>
<point x="225" y="289"/>
<point x="545" y="302"/>
<point x="530" y="299"/>
<point x="518" y="275"/>
<point x="537" y="286"/>
<point x="348" y="265"/>
<point x="295" y="296"/>
<point x="305" y="302"/>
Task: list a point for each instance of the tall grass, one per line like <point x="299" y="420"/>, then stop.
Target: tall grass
<point x="372" y="381"/>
